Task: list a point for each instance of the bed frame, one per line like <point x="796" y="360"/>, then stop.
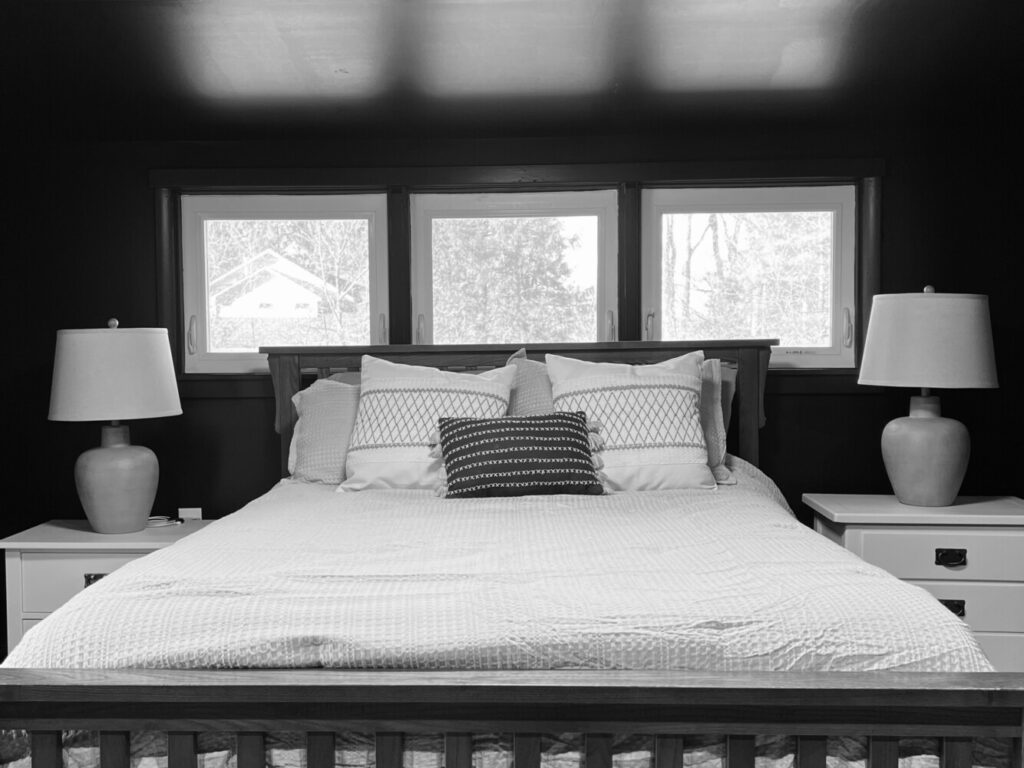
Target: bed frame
<point x="669" y="706"/>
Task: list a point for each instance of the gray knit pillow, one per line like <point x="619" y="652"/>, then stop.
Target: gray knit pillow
<point x="531" y="388"/>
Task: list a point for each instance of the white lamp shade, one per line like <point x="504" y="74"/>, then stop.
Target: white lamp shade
<point x="933" y="340"/>
<point x="113" y="374"/>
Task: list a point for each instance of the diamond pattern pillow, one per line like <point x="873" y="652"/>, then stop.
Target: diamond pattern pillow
<point x="399" y="406"/>
<point x="649" y="415"/>
<point x="518" y="456"/>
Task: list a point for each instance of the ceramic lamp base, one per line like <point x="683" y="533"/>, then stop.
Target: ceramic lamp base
<point x="117" y="482"/>
<point x="925" y="455"/>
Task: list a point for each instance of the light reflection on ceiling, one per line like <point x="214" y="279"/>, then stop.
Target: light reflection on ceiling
<point x="514" y="48"/>
<point x="257" y="50"/>
<point x="702" y="45"/>
<point x="497" y="67"/>
<point x="309" y="50"/>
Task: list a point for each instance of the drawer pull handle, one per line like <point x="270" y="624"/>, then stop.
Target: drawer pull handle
<point x="92" y="578"/>
<point x="950" y="557"/>
<point x="958" y="607"/>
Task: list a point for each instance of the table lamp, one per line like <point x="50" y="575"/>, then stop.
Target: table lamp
<point x="112" y="374"/>
<point x="933" y="341"/>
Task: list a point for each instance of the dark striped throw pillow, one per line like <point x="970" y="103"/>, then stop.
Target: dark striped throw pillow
<point x="518" y="456"/>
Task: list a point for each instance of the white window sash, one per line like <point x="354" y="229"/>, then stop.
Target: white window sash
<point x="839" y="200"/>
<point x="197" y="209"/>
<point x="427" y="207"/>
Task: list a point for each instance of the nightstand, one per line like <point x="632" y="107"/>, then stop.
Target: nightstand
<point x="49" y="564"/>
<point x="970" y="556"/>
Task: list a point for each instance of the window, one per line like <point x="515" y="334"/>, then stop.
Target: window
<point x="514" y="267"/>
<point x="280" y="270"/>
<point x="753" y="263"/>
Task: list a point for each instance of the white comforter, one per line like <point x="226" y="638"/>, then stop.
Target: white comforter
<point x="305" y="577"/>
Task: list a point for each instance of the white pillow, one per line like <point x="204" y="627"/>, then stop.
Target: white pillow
<point x="712" y="419"/>
<point x="531" y="389"/>
<point x="399" y="406"/>
<point x="649" y="416"/>
<point x="730" y="370"/>
<point x="327" y="413"/>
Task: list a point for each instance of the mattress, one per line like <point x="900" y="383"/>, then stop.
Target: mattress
<point x="723" y="579"/>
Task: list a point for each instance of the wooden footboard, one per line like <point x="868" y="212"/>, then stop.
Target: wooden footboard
<point x="668" y="705"/>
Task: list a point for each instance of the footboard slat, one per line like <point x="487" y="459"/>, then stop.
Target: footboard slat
<point x="319" y="749"/>
<point x="739" y="752"/>
<point x="810" y="752"/>
<point x="597" y="750"/>
<point x="668" y="752"/>
<point x="883" y="752"/>
<point x="669" y="706"/>
<point x="252" y="752"/>
<point x="957" y="753"/>
<point x="46" y="749"/>
<point x="115" y="749"/>
<point x="181" y="749"/>
<point x="526" y="750"/>
<point x="458" y="750"/>
<point x="389" y="749"/>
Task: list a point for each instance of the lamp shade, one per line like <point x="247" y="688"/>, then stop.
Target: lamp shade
<point x="113" y="374"/>
<point x="929" y="340"/>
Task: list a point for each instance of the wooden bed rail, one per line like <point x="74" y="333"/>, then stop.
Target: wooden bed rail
<point x="668" y="705"/>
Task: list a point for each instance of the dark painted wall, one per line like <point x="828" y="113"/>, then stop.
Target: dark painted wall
<point x="82" y="249"/>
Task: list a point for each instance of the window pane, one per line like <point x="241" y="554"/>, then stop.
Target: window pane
<point x="514" y="279"/>
<point x="748" y="275"/>
<point x="286" y="282"/>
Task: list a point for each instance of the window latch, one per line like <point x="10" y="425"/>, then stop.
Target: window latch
<point x="191" y="337"/>
<point x="649" y="325"/>
<point x="612" y="335"/>
<point x="420" y="325"/>
<point x="847" y="328"/>
<point x="383" y="338"/>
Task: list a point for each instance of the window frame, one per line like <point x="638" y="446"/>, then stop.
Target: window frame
<point x="197" y="207"/>
<point x="837" y="197"/>
<point x="426" y="206"/>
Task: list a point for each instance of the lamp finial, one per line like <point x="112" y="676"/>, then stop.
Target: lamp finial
<point x="929" y="289"/>
<point x="112" y="322"/>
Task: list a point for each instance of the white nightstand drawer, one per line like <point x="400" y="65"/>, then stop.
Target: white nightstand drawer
<point x="987" y="606"/>
<point x="50" y="579"/>
<point x="992" y="554"/>
<point x="1006" y="652"/>
<point x="47" y="564"/>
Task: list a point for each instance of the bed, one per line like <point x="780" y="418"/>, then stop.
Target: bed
<point x="472" y="622"/>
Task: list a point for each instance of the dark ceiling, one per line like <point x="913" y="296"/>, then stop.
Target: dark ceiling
<point x="256" y="68"/>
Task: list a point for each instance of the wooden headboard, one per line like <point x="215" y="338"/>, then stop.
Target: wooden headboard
<point x="287" y="365"/>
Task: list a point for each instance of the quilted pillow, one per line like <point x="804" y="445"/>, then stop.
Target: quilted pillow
<point x="518" y="456"/>
<point x="531" y="389"/>
<point x="327" y="413"/>
<point x="399" y="406"/>
<point x="650" y="417"/>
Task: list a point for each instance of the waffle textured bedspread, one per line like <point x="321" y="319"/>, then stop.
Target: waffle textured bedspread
<point x="720" y="579"/>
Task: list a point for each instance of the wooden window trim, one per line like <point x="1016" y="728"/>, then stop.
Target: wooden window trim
<point x="398" y="182"/>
